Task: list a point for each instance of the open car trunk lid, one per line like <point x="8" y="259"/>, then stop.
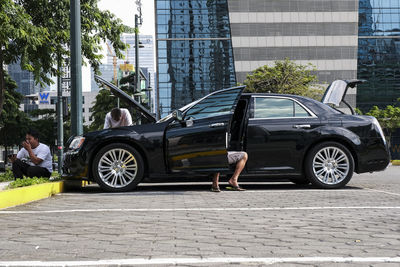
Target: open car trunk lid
<point x="124" y="96"/>
<point x="337" y="90"/>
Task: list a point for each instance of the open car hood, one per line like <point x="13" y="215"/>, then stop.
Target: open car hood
<point x="129" y="100"/>
<point x="337" y="90"/>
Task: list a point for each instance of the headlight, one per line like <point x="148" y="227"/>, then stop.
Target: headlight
<point x="77" y="142"/>
<point x="378" y="126"/>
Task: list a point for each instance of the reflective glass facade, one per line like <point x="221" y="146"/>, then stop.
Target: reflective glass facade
<point x="378" y="53"/>
<point x="23" y="78"/>
<point x="194" y="51"/>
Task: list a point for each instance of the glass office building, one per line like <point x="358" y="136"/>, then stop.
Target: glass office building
<point x="206" y="45"/>
<point x="24" y="79"/>
<point x="194" y="51"/>
<point x="378" y="53"/>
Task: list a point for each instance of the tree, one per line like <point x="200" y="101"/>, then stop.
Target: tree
<point x="48" y="21"/>
<point x="286" y="77"/>
<point x="128" y="83"/>
<point x="389" y="119"/>
<point x="104" y="102"/>
<point x="97" y="26"/>
<point x="20" y="40"/>
<point x="45" y="123"/>
<point x="13" y="122"/>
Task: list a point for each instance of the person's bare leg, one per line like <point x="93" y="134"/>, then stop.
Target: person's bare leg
<point x="216" y="180"/>
<point x="238" y="169"/>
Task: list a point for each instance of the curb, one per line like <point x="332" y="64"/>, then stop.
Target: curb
<point x="18" y="196"/>
<point x="22" y="195"/>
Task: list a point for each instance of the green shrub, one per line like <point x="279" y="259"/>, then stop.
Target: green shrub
<point x="55" y="176"/>
<point x="7" y="176"/>
<point x="27" y="182"/>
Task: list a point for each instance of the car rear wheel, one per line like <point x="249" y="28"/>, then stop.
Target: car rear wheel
<point x="329" y="165"/>
<point x="118" y="168"/>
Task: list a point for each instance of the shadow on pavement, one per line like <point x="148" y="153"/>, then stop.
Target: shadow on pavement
<point x="179" y="188"/>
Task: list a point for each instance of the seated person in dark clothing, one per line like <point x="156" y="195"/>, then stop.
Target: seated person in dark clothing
<point x="34" y="159"/>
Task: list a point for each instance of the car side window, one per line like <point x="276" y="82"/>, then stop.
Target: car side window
<point x="299" y="111"/>
<point x="270" y="107"/>
<point x="214" y="105"/>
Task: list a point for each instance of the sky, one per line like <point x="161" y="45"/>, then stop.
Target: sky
<point x="124" y="10"/>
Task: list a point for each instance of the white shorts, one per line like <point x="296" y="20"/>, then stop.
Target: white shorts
<point x="235" y="156"/>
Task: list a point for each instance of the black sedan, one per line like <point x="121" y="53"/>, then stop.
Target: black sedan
<point x="285" y="136"/>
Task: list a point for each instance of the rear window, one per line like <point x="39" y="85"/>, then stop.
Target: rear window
<point x="270" y="107"/>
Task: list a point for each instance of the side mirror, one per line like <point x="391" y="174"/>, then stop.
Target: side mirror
<point x="177" y="114"/>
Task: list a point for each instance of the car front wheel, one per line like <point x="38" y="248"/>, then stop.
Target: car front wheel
<point x="329" y="165"/>
<point x="118" y="168"/>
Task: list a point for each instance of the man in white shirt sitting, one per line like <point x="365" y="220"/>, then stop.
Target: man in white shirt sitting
<point x="117" y="117"/>
<point x="34" y="159"/>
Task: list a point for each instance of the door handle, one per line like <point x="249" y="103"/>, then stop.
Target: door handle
<point x="302" y="126"/>
<point x="218" y="124"/>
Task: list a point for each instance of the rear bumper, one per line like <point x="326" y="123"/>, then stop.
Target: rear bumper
<point x="374" y="158"/>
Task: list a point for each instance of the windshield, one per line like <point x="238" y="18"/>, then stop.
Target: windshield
<point x="183" y="109"/>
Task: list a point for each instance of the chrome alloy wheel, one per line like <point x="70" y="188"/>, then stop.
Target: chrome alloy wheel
<point x="331" y="165"/>
<point x="117" y="168"/>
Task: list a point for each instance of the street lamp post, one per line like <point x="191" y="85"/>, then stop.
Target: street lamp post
<point x="60" y="123"/>
<point x="76" y="69"/>
<point x="137" y="69"/>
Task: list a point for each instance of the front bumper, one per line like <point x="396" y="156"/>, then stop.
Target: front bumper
<point x="75" y="166"/>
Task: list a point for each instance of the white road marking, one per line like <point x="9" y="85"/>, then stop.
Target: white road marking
<point x="197" y="209"/>
<point x="381" y="191"/>
<point x="146" y="261"/>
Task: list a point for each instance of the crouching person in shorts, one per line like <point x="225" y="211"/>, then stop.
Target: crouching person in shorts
<point x="34" y="159"/>
<point x="240" y="159"/>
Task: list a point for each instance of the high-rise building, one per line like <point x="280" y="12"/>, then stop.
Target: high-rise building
<point x="23" y="78"/>
<point x="320" y="32"/>
<point x="197" y="41"/>
<point x="26" y="83"/>
<point x="194" y="51"/>
<point x="48" y="100"/>
<point x="379" y="53"/>
<point x="146" y="59"/>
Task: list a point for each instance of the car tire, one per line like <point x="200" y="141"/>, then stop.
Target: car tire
<point x="329" y="165"/>
<point x="118" y="168"/>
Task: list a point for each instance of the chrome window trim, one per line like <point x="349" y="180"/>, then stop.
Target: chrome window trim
<point x="283" y="97"/>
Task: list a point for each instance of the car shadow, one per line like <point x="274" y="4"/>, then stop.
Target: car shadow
<point x="185" y="188"/>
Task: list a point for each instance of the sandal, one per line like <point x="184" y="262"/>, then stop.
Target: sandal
<point x="234" y="188"/>
<point x="215" y="189"/>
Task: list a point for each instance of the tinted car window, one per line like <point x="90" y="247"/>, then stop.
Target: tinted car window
<point x="214" y="105"/>
<point x="268" y="107"/>
<point x="299" y="111"/>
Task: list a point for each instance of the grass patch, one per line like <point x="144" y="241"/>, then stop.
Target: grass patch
<point x="7" y="176"/>
<point x="26" y="181"/>
<point x="396" y="162"/>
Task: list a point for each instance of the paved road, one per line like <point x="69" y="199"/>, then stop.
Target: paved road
<point x="270" y="223"/>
